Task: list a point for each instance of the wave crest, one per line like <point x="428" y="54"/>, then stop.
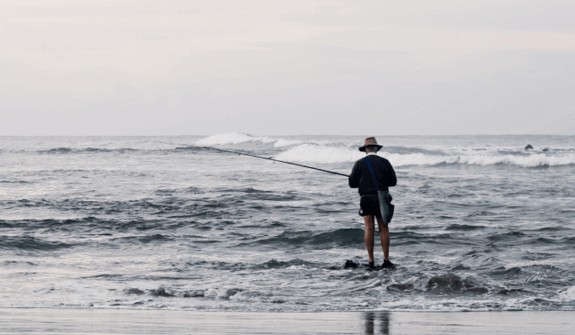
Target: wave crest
<point x="312" y="153"/>
<point x="319" y="154"/>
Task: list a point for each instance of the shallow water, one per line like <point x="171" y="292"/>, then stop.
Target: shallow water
<point x="159" y="222"/>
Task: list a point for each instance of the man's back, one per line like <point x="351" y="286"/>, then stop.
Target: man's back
<point x="361" y="176"/>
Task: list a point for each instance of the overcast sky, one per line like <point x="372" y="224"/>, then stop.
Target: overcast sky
<point x="195" y="67"/>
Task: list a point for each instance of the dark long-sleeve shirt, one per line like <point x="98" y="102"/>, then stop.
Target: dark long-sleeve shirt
<point x="362" y="179"/>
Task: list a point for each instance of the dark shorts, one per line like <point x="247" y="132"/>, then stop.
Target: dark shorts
<point x="369" y="205"/>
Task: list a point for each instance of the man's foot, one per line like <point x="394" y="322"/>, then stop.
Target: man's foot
<point x="371" y="265"/>
<point x="387" y="264"/>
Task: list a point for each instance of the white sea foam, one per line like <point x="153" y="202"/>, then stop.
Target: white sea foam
<point x="418" y="159"/>
<point x="326" y="154"/>
<point x="568" y="294"/>
<point x="315" y="153"/>
<point x="280" y="143"/>
<point x="300" y="150"/>
<point x="319" y="154"/>
<point x="537" y="160"/>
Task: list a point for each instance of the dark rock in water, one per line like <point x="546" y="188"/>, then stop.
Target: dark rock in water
<point x="528" y="147"/>
<point x="135" y="291"/>
<point x="545" y="149"/>
<point x="349" y="264"/>
<point x="161" y="292"/>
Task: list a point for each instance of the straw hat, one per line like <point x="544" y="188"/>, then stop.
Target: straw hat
<point x="370" y="142"/>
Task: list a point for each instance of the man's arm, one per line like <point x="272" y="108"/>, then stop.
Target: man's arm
<point x="390" y="177"/>
<point x="354" y="176"/>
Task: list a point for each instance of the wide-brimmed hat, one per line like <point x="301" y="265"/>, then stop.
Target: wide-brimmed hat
<point x="370" y="142"/>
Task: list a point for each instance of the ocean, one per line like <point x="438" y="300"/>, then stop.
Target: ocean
<point x="481" y="224"/>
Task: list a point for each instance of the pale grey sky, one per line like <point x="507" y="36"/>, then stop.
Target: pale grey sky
<point x="195" y="67"/>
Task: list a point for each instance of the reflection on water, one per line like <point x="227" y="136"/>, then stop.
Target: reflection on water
<point x="376" y="323"/>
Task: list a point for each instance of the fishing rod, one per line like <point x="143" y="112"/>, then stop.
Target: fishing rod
<point x="274" y="160"/>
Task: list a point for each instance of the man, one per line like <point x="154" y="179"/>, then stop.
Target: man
<point x="372" y="175"/>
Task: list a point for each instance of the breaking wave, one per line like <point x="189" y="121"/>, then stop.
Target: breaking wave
<point x="327" y="154"/>
<point x="331" y="151"/>
<point x="324" y="150"/>
<point x="319" y="154"/>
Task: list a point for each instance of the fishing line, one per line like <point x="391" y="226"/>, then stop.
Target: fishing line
<point x="274" y="160"/>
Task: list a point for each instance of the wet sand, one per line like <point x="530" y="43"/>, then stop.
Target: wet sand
<point x="122" y="321"/>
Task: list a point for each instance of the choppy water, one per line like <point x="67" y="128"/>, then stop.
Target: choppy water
<point x="156" y="222"/>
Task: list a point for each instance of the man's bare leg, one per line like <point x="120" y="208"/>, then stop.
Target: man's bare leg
<point x="369" y="235"/>
<point x="384" y="236"/>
